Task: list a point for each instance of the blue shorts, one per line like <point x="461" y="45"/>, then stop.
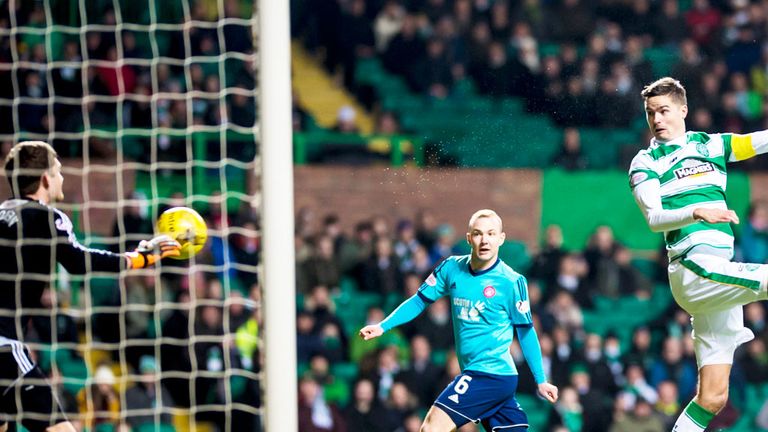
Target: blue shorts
<point x="483" y="398"/>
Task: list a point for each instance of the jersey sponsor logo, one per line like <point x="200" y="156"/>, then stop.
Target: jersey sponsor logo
<point x="695" y="170"/>
<point x="489" y="291"/>
<point x="523" y="306"/>
<point x="702" y="149"/>
<point x="468" y="311"/>
<point x="637" y="178"/>
<point x="431" y="280"/>
<point x="9" y="217"/>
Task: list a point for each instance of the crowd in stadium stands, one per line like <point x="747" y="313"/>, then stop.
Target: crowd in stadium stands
<point x="122" y="93"/>
<point x="640" y="380"/>
<point x="226" y="305"/>
<point x="582" y="62"/>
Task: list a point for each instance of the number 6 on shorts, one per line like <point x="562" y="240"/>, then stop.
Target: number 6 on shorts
<point x="462" y="385"/>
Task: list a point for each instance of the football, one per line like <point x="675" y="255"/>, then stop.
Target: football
<point x="186" y="226"/>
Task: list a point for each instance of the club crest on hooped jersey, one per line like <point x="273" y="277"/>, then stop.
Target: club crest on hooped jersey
<point x="702" y="149"/>
<point x="489" y="291"/>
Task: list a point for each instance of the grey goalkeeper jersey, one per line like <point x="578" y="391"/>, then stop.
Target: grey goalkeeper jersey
<point x="670" y="180"/>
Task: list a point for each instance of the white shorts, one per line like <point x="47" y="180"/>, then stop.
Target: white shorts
<point x="714" y="290"/>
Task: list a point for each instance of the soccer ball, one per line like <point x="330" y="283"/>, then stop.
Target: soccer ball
<point x="186" y="226"/>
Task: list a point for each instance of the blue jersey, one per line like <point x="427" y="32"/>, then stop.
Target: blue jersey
<point x="486" y="306"/>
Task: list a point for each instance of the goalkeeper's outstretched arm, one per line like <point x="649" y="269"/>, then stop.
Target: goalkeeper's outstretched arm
<point x="78" y="259"/>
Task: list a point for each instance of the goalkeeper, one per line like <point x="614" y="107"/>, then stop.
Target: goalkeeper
<point x="34" y="236"/>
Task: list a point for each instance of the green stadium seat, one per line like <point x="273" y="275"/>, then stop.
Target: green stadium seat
<point x="345" y="371"/>
<point x="162" y="427"/>
<point x="662" y="60"/>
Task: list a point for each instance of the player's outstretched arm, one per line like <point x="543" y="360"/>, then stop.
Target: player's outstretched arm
<point x="548" y="392"/>
<point x="151" y="251"/>
<point x="407" y="311"/>
<point x="371" y="331"/>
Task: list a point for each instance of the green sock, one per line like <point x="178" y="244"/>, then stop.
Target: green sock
<point x="694" y="418"/>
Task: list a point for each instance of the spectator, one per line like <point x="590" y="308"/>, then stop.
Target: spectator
<point x="134" y="225"/>
<point x="149" y="395"/>
<point x="571" y="279"/>
<point x="315" y="414"/>
<point x="568" y="412"/>
<point x="618" y="277"/>
<point x="388" y="23"/>
<point x="601" y="377"/>
<point x="421" y="375"/>
<point x="566" y="311"/>
<point x="703" y="23"/>
<point x="640" y="352"/>
<point x="754" y="234"/>
<point x="435" y="325"/>
<point x="546" y="263"/>
<point x="755" y="362"/>
<point x="321" y="268"/>
<point x="672" y="366"/>
<point x="668" y="405"/>
<point x="600" y="251"/>
<point x="308" y="342"/>
<point x="400" y="403"/>
<point x="382" y="270"/>
<point x="365" y="412"/>
<point x="596" y="404"/>
<point x="574" y="21"/>
<point x="99" y="403"/>
<point x="563" y="356"/>
<point x="431" y="74"/>
<point x="405" y="45"/>
<point x="637" y="388"/>
<point x="571" y="157"/>
<point x="669" y="27"/>
<point x="345" y="120"/>
<point x="642" y="418"/>
<point x="444" y="244"/>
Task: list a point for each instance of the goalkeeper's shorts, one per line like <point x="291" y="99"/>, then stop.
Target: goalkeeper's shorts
<point x="714" y="290"/>
<point x="25" y="393"/>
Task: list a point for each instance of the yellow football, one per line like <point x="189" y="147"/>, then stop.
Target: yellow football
<point x="186" y="226"/>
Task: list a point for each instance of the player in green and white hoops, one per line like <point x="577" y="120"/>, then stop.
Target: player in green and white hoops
<point x="679" y="184"/>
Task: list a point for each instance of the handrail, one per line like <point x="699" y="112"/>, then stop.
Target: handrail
<point x="396" y="145"/>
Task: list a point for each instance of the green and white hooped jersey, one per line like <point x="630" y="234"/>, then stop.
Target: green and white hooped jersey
<point x="691" y="172"/>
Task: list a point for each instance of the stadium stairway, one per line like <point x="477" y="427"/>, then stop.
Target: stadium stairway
<point x="319" y="94"/>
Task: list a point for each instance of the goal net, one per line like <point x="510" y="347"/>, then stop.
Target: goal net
<point x="150" y="104"/>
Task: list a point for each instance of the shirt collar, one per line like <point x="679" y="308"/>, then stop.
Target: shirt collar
<point x="481" y="272"/>
<point x="682" y="139"/>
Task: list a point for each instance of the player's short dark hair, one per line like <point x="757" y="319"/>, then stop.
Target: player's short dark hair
<point x="25" y="163"/>
<point x="666" y="86"/>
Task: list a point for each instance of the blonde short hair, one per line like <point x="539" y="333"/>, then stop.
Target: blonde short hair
<point x="484" y="213"/>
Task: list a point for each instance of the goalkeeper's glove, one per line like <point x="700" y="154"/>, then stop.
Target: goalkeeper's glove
<point x="151" y="251"/>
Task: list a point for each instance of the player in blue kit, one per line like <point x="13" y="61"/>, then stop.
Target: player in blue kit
<point x="489" y="301"/>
